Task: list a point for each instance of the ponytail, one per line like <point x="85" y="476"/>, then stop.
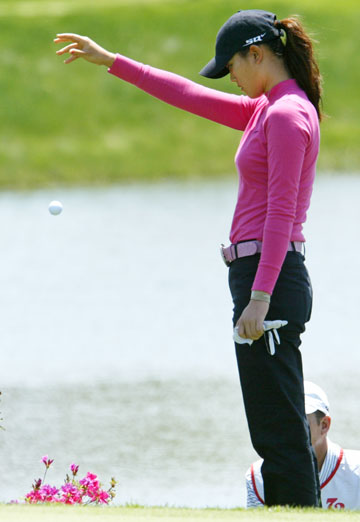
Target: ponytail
<point x="296" y="48"/>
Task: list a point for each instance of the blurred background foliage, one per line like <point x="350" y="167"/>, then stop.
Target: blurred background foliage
<point x="78" y="125"/>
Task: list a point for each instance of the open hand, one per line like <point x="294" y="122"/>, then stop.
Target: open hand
<point x="84" y="47"/>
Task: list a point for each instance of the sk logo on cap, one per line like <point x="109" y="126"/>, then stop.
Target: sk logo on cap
<point x="255" y="39"/>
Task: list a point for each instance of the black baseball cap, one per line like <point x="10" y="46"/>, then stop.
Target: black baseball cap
<point x="244" y="28"/>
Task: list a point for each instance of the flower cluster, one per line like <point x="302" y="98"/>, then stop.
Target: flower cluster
<point x="87" y="490"/>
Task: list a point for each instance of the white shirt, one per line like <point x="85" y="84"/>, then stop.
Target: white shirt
<point x="339" y="480"/>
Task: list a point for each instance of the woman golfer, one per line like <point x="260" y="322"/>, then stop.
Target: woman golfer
<point x="272" y="62"/>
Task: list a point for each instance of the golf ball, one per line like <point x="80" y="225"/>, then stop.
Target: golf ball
<point x="55" y="208"/>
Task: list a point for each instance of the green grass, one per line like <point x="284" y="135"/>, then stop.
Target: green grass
<point x="77" y="124"/>
<point x="139" y="514"/>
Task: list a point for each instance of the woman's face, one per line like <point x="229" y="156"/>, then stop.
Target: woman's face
<point x="244" y="71"/>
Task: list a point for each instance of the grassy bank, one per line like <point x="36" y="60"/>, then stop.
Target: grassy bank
<point x="77" y="124"/>
<point x="140" y="514"/>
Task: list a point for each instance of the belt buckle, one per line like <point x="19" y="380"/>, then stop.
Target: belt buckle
<point x="227" y="263"/>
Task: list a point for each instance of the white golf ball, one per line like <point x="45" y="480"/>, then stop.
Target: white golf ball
<point x="55" y="208"/>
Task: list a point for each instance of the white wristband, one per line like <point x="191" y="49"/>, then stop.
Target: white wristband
<point x="256" y="295"/>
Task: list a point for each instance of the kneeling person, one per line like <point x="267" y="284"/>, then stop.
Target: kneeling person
<point x="339" y="470"/>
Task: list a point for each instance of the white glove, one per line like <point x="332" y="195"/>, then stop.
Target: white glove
<point x="271" y="328"/>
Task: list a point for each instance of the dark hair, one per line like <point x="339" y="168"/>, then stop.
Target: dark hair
<point x="319" y="416"/>
<point x="298" y="55"/>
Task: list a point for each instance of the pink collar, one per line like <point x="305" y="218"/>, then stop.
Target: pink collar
<point x="285" y="87"/>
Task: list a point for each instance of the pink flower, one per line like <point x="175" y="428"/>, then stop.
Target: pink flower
<point x="48" y="493"/>
<point x="70" y="494"/>
<point x="45" y="459"/>
<point x="31" y="497"/>
<point x="74" y="469"/>
<point x="85" y="491"/>
<point x="37" y="484"/>
<point x="44" y="493"/>
<point x="90" y="481"/>
<point x="103" y="497"/>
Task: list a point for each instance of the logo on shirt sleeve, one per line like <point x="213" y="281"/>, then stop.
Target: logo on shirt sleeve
<point x="334" y="504"/>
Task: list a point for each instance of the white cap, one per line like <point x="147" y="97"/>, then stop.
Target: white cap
<point x="315" y="399"/>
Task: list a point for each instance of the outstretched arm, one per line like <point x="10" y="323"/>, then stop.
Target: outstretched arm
<point x="224" y="108"/>
<point x="84" y="47"/>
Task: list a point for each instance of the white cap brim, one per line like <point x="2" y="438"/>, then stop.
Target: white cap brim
<point x="315" y="399"/>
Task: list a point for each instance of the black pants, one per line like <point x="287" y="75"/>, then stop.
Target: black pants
<point x="272" y="386"/>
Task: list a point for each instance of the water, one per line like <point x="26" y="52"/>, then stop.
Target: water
<point x="116" y="337"/>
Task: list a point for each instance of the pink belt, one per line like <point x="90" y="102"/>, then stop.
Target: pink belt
<point x="249" y="248"/>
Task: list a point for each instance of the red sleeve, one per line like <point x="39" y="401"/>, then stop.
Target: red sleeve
<point x="288" y="134"/>
<point x="224" y="108"/>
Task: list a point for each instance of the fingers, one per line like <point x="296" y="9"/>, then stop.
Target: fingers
<point x="250" y="329"/>
<point x="75" y="54"/>
<point x="84" y="47"/>
<point x="66" y="49"/>
<point x="69" y="37"/>
<point x="240" y="329"/>
<point x="251" y="322"/>
<point x="69" y="60"/>
<point x="74" y="49"/>
<point x="259" y="329"/>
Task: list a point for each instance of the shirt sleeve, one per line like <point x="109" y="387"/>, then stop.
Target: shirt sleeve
<point x="224" y="108"/>
<point x="287" y="134"/>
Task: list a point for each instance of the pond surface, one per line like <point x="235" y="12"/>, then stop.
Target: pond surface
<point x="116" y="337"/>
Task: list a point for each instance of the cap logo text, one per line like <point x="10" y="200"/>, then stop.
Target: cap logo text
<point x="255" y="39"/>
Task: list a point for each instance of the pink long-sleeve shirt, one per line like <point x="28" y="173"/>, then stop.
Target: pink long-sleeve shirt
<point x="276" y="158"/>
